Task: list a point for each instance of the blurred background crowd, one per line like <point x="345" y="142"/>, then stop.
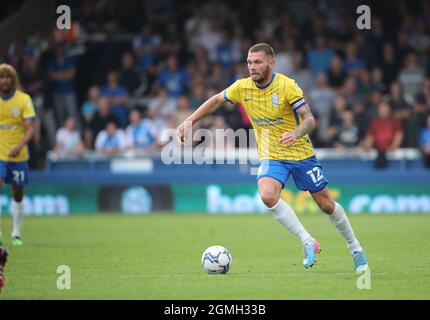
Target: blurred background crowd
<point x="127" y="70"/>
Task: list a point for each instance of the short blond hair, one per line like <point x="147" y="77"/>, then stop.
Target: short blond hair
<point x="8" y="69"/>
<point x="263" y="47"/>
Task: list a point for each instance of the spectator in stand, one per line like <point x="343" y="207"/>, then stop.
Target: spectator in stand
<point x="401" y="109"/>
<point x="369" y="82"/>
<point x="232" y="115"/>
<point x="219" y="123"/>
<point x="101" y="118"/>
<point x="385" y="134"/>
<point x="33" y="83"/>
<point x="373" y="101"/>
<point x="68" y="142"/>
<point x="349" y="91"/>
<point x="322" y="99"/>
<point x="173" y="78"/>
<point x="118" y="98"/>
<point x="336" y="74"/>
<point x="348" y="134"/>
<point x="218" y="78"/>
<point x="416" y="121"/>
<point x="411" y="77"/>
<point x="198" y="95"/>
<point x="61" y="71"/>
<point x="284" y="59"/>
<point x="368" y="51"/>
<point x="371" y="46"/>
<point x="352" y="64"/>
<point x="89" y="107"/>
<point x="403" y="48"/>
<point x="184" y="110"/>
<point x="335" y="120"/>
<point x="301" y="74"/>
<point x="378" y="80"/>
<point x="320" y="56"/>
<point x="365" y="86"/>
<point x="361" y="119"/>
<point x="147" y="46"/>
<point x="420" y="40"/>
<point x="389" y="64"/>
<point x="168" y="132"/>
<point x="141" y="132"/>
<point x="112" y="140"/>
<point x="425" y="143"/>
<point x="424" y="95"/>
<point x="129" y="76"/>
<point x="199" y="63"/>
<point x="173" y="40"/>
<point x="160" y="106"/>
<point x="211" y="37"/>
<point x="225" y="53"/>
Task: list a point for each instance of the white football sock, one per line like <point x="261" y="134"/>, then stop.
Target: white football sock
<point x="18" y="217"/>
<point x="286" y="216"/>
<point x="339" y="219"/>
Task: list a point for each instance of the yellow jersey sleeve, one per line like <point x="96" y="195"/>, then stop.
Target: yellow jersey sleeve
<point x="294" y="95"/>
<point x="232" y="94"/>
<point x="28" y="108"/>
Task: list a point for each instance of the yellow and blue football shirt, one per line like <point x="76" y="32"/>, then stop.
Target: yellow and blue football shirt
<point x="14" y="111"/>
<point x="272" y="111"/>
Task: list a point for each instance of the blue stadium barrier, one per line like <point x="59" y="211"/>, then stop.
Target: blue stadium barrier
<point x="78" y="172"/>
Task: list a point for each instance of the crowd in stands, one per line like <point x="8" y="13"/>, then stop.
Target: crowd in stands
<point x="134" y="68"/>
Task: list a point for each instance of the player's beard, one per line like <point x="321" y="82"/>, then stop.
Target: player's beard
<point x="262" y="77"/>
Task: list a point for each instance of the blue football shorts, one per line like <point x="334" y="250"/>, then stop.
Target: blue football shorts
<point x="307" y="174"/>
<point x="14" y="173"/>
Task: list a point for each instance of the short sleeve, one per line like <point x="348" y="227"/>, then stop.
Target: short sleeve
<point x="294" y="95"/>
<point x="231" y="94"/>
<point x="28" y="108"/>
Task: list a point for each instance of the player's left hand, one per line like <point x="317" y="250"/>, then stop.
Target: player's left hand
<point x="15" y="151"/>
<point x="288" y="138"/>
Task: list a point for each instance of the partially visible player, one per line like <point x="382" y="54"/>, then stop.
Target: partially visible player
<point x="16" y="129"/>
<point x="3" y="259"/>
<point x="282" y="121"/>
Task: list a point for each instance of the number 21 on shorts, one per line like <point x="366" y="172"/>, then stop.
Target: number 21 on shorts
<point x="18" y="176"/>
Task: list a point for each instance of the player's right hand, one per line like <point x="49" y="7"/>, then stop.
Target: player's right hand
<point x="180" y="131"/>
<point x="15" y="151"/>
<point x="183" y="129"/>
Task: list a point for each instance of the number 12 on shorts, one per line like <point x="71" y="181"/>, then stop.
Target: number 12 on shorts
<point x="315" y="175"/>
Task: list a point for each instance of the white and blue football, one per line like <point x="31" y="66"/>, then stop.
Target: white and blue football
<point x="216" y="260"/>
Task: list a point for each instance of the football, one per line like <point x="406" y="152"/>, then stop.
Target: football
<point x="216" y="260"/>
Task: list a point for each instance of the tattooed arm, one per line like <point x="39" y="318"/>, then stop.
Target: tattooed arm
<point x="305" y="127"/>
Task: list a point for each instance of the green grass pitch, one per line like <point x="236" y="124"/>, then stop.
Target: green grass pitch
<point x="158" y="257"/>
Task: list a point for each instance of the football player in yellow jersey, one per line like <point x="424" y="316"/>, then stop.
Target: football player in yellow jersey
<point x="282" y="121"/>
<point x="16" y="129"/>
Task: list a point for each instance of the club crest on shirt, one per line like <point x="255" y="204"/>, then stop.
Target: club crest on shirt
<point x="275" y="99"/>
<point x="15" y="112"/>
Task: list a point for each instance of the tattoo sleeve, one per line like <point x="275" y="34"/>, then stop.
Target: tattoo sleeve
<point x="308" y="122"/>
